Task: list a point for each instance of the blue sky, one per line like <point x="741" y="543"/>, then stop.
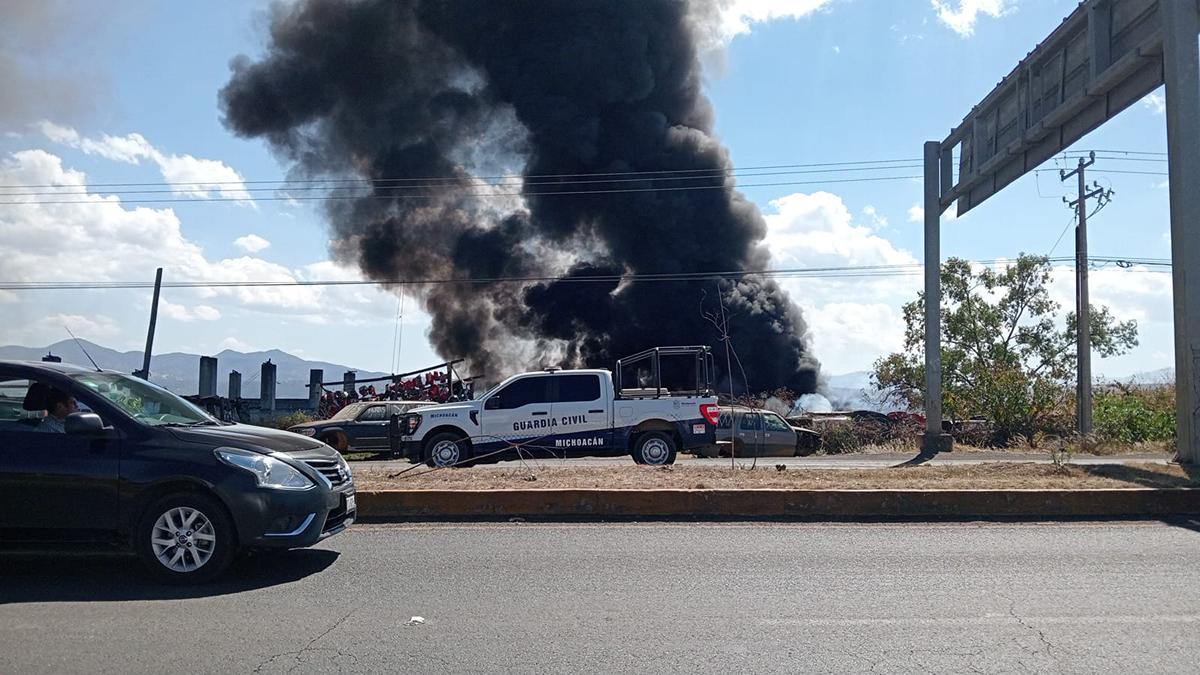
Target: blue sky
<point x="813" y="81"/>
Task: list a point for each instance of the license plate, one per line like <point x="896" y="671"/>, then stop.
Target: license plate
<point x="698" y="429"/>
<point x="350" y="503"/>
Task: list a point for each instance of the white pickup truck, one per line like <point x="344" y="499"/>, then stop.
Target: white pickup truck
<point x="556" y="413"/>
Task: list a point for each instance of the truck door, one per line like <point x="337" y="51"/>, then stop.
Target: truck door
<point x="778" y="438"/>
<point x="750" y="433"/>
<point x="582" y="413"/>
<point x="520" y="413"/>
<point x="370" y="429"/>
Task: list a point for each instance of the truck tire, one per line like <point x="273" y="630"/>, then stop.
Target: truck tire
<point x="447" y="450"/>
<point x="654" y="448"/>
<point x="186" y="538"/>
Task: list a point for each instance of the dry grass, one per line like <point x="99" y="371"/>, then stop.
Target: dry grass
<point x="980" y="476"/>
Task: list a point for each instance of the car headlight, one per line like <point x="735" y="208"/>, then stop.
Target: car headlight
<point x="268" y="471"/>
<point x="345" y="467"/>
<point x="306" y="431"/>
<point x="408" y="426"/>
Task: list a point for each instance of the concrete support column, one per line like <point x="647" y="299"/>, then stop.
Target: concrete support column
<point x="348" y="380"/>
<point x="267" y="388"/>
<point x="933" y="441"/>
<point x="1181" y="68"/>
<point x="235" y="385"/>
<point x="315" y="377"/>
<point x="208" y="376"/>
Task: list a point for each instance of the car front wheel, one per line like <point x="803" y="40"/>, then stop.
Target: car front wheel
<point x="186" y="538"/>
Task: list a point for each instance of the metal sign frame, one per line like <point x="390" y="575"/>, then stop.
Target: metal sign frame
<point x="1105" y="56"/>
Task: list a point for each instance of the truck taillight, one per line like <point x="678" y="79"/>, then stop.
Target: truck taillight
<point x="711" y="412"/>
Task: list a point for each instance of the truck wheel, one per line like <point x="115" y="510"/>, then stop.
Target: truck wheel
<point x="335" y="440"/>
<point x="654" y="448"/>
<point x="186" y="538"/>
<point x="447" y="450"/>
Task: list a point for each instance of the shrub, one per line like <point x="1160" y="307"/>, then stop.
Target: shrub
<point x="284" y="421"/>
<point x="1134" y="414"/>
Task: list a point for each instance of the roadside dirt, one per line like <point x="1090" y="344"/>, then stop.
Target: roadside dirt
<point x="766" y="475"/>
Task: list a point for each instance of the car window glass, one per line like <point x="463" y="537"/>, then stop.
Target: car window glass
<point x="12" y="395"/>
<point x="723" y="422"/>
<point x="375" y="413"/>
<point x="524" y="392"/>
<point x="775" y="423"/>
<point x="573" y="388"/>
<point x="146" y="402"/>
<point x="751" y="422"/>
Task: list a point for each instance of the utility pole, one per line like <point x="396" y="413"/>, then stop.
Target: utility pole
<point x="144" y="373"/>
<point x="1083" y="314"/>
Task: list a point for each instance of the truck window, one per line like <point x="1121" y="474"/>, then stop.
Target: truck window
<point x="725" y="421"/>
<point x="523" y="392"/>
<point x="577" y="388"/>
<point x="774" y="422"/>
<point x="751" y="422"/>
<point x="375" y="413"/>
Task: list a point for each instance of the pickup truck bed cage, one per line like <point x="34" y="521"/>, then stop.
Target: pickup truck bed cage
<point x="646" y="371"/>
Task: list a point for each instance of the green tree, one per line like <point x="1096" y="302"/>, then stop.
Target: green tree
<point x="1006" y="354"/>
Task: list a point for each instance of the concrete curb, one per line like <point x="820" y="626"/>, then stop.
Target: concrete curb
<point x="409" y="505"/>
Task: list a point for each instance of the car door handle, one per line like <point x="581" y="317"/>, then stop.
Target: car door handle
<point x="595" y="412"/>
<point x="539" y="413"/>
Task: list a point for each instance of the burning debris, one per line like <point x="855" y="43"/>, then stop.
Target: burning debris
<point x="424" y="103"/>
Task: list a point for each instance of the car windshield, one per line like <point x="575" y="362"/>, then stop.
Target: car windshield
<point x="349" y="412"/>
<point x="145" y="402"/>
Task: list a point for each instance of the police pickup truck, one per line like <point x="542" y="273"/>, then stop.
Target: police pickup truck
<point x="658" y="403"/>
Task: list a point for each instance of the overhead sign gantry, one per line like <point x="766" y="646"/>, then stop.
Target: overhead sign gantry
<point x="1105" y="56"/>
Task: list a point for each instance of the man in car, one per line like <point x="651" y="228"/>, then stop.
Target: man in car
<point x="59" y="404"/>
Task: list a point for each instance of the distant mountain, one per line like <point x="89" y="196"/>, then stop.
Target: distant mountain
<point x="180" y="372"/>
<point x="1160" y="376"/>
<point x="851" y="391"/>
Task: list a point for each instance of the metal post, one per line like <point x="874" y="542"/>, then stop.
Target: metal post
<point x="144" y="373"/>
<point x="934" y="439"/>
<point x="1181" y="67"/>
<point x="1083" y="314"/>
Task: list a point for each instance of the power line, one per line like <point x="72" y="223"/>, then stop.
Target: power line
<point x="459" y="184"/>
<point x="908" y="269"/>
<point x="290" y="181"/>
<point x="493" y="194"/>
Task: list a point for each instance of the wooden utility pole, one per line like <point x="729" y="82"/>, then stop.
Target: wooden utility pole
<point x="144" y="373"/>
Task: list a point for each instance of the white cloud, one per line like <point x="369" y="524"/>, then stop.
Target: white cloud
<point x="53" y="327"/>
<point x="185" y="313"/>
<point x="738" y="16"/>
<point x="1155" y="102"/>
<point x="916" y="214"/>
<point x="962" y="19"/>
<point x="251" y="243"/>
<point x="100" y="239"/>
<point x="877" y="219"/>
<point x="236" y="345"/>
<point x="187" y="175"/>
<point x="852" y="320"/>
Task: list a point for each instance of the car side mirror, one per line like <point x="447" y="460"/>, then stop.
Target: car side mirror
<point x="492" y="403"/>
<point x="83" y="424"/>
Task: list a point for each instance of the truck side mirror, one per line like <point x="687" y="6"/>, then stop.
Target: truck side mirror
<point x="83" y="424"/>
<point x="492" y="403"/>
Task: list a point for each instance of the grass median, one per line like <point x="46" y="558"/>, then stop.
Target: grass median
<point x="997" y="476"/>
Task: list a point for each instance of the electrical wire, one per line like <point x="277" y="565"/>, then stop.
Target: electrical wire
<point x="865" y="271"/>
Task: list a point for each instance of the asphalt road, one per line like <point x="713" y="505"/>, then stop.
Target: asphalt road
<point x="635" y="598"/>
<point x="850" y="461"/>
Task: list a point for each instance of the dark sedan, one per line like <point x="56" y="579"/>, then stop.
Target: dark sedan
<point x="359" y="427"/>
<point x="96" y="457"/>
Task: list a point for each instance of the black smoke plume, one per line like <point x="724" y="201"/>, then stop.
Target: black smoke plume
<point x="432" y="99"/>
